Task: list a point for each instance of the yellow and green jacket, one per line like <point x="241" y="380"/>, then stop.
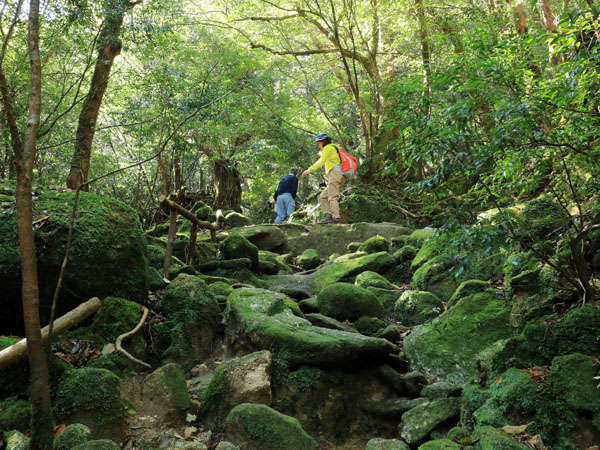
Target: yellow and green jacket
<point x="329" y="157"/>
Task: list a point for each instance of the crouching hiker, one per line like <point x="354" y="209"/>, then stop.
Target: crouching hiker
<point x="339" y="166"/>
<point x="285" y="196"/>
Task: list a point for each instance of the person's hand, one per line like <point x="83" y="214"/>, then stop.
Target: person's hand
<point x="305" y="173"/>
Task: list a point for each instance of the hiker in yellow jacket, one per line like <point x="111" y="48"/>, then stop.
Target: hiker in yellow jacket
<point x="331" y="194"/>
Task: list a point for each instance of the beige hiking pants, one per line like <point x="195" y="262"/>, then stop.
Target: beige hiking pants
<point x="330" y="195"/>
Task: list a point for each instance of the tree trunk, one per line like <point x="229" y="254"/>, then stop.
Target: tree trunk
<point x="109" y="46"/>
<point x="228" y="185"/>
<point x="42" y="422"/>
<point x="425" y="54"/>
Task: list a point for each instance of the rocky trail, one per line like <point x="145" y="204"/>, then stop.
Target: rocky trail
<point x="360" y="336"/>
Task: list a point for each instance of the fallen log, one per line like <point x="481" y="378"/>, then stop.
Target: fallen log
<point x="189" y="216"/>
<point x="12" y="354"/>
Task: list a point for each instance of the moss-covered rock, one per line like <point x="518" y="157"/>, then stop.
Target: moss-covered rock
<point x="372" y="279"/>
<point x="163" y="394"/>
<point x="440" y="444"/>
<point x="542" y="219"/>
<point x="99" y="444"/>
<point x="15" y="440"/>
<point x="436" y="275"/>
<point x="259" y="427"/>
<point x="258" y="319"/>
<point x="236" y="246"/>
<point x="353" y="247"/>
<point x="319" y="320"/>
<point x="348" y="266"/>
<point x="542" y="340"/>
<point x="375" y="244"/>
<point x="344" y="301"/>
<point x="309" y="305"/>
<point x="391" y="408"/>
<point x="266" y="237"/>
<point x="386" y="444"/>
<point x="414" y="307"/>
<point x="91" y="397"/>
<point x="369" y="325"/>
<point x="194" y="317"/>
<point x="272" y="263"/>
<point x="72" y="436"/>
<point x="309" y="259"/>
<point x="467" y="288"/>
<point x="403" y="257"/>
<point x="15" y="414"/>
<point x="444" y="348"/>
<point x="441" y="389"/>
<point x="241" y="380"/>
<point x="572" y="382"/>
<point x="107" y="257"/>
<point x="235" y="219"/>
<point x="459" y="434"/>
<point x="489" y="438"/>
<point x="421" y="420"/>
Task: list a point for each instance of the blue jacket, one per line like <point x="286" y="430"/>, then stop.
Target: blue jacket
<point x="287" y="184"/>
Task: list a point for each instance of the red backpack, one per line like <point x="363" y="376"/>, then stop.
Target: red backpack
<point x="349" y="163"/>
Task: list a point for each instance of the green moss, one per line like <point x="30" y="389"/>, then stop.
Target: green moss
<point x="386" y="444"/>
<point x="275" y="262"/>
<point x="15" y="440"/>
<point x="90" y="392"/>
<point x="418" y="422"/>
<point x="369" y="325"/>
<point x="572" y="381"/>
<point x="467" y="288"/>
<point x="108" y="253"/>
<point x="173" y="380"/>
<point x="489" y="438"/>
<point x="13" y="379"/>
<point x="346" y="267"/>
<point x="100" y="444"/>
<point x="262" y="427"/>
<point x="540" y="341"/>
<point x="459" y="434"/>
<point x="344" y="301"/>
<point x="445" y="347"/>
<point x="436" y="276"/>
<point x="72" y="436"/>
<point x="237" y="246"/>
<point x="543" y="219"/>
<point x="375" y="244"/>
<point x="15" y="414"/>
<point x="372" y="279"/>
<point x="309" y="259"/>
<point x="440" y="444"/>
<point x="415" y="307"/>
<point x="260" y="319"/>
<point x="403" y="271"/>
<point x="214" y="392"/>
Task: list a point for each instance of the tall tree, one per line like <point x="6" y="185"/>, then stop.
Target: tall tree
<point x="109" y="47"/>
<point x="42" y="435"/>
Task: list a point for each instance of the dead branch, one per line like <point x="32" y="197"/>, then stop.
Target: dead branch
<point x="119" y="341"/>
<point x="164" y="201"/>
<point x="12" y="354"/>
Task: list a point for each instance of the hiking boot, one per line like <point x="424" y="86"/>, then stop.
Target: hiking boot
<point x="327" y="219"/>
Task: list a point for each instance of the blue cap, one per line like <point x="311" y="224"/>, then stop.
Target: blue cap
<point x="321" y="137"/>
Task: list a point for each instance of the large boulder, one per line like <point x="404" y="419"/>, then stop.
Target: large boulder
<point x="374" y="244"/>
<point x="257" y="319"/>
<point x="91" y="397"/>
<point x="194" y="319"/>
<point x="309" y="259"/>
<point x="573" y="382"/>
<point x="163" y="393"/>
<point x="445" y="347"/>
<point x="421" y="420"/>
<point x="235" y="219"/>
<point x="369" y="279"/>
<point x="329" y="239"/>
<point x="258" y="427"/>
<point x="107" y="257"/>
<point x="345" y="301"/>
<point x="265" y="237"/>
<point x="236" y="246"/>
<point x="15" y="414"/>
<point x="414" y="307"/>
<point x="341" y="268"/>
<point x="241" y="380"/>
<point x="489" y="438"/>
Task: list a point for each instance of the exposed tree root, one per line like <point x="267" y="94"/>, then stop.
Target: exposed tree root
<point x="119" y="341"/>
